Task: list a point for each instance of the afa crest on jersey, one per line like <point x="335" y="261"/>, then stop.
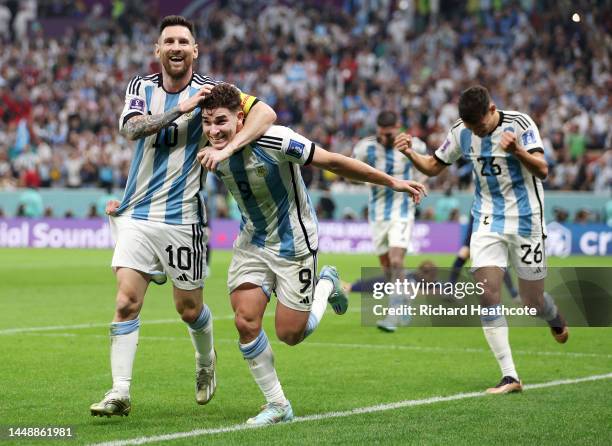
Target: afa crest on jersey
<point x="261" y="170"/>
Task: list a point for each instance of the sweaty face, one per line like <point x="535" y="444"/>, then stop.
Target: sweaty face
<point x="386" y="135"/>
<point x="220" y="125"/>
<point x="176" y="49"/>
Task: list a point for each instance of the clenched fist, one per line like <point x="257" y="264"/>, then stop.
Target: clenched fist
<point x="509" y="142"/>
<point x="403" y="143"/>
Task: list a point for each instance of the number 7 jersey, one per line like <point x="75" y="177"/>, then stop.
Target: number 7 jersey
<point x="165" y="178"/>
<point x="508" y="198"/>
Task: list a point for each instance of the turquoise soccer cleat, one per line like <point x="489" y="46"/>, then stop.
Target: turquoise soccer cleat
<point x="337" y="299"/>
<point x="272" y="413"/>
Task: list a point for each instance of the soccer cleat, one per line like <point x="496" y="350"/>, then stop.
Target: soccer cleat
<point x="206" y="381"/>
<point x="507" y="385"/>
<point x="337" y="298"/>
<point x="112" y="404"/>
<point x="386" y="325"/>
<point x="272" y="413"/>
<point x="559" y="329"/>
<point x="158" y="277"/>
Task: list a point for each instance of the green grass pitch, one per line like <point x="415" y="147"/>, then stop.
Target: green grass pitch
<point x="49" y="377"/>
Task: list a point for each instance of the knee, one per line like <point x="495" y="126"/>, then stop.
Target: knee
<point x="248" y="327"/>
<point x="396" y="262"/>
<point x="289" y="337"/>
<point x="127" y="305"/>
<point x="189" y="315"/>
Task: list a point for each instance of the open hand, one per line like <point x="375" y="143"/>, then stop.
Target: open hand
<point x="189" y="104"/>
<point x="414" y="188"/>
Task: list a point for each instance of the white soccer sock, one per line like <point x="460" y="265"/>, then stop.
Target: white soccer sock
<point x="201" y="332"/>
<point x="549" y="311"/>
<point x="322" y="292"/>
<point x="496" y="332"/>
<point x="124" y="340"/>
<point x="260" y="358"/>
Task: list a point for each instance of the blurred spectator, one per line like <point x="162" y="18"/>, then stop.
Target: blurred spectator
<point x="30" y="204"/>
<point x="326" y="207"/>
<point x="326" y="70"/>
<point x="561" y="215"/>
<point x="582" y="216"/>
<point x="446" y="205"/>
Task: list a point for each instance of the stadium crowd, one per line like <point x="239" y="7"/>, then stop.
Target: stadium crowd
<point x="327" y="68"/>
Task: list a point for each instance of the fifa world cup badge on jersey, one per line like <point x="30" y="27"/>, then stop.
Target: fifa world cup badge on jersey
<point x="295" y="149"/>
<point x="137" y="104"/>
<point x="528" y="138"/>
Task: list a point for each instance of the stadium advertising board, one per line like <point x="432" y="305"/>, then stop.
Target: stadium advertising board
<point x="337" y="237"/>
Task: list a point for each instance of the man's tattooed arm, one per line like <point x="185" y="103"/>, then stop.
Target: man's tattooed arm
<point x="146" y="125"/>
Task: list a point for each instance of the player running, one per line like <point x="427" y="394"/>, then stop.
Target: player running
<point x="509" y="166"/>
<point x="159" y="225"/>
<point x="391" y="214"/>
<point x="276" y="249"/>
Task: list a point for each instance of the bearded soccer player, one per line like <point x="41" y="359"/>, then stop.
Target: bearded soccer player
<point x="509" y="166"/>
<point x="276" y="250"/>
<point x="391" y="214"/>
<point x="159" y="224"/>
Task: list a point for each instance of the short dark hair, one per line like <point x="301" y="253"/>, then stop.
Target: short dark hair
<point x="223" y="95"/>
<point x="474" y="104"/>
<point x="386" y="118"/>
<point x="176" y="20"/>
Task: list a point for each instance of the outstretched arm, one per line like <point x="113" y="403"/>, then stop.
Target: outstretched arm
<point x="427" y="164"/>
<point x="145" y="125"/>
<point x="360" y="171"/>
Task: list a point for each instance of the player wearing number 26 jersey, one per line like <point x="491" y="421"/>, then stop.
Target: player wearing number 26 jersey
<point x="506" y="151"/>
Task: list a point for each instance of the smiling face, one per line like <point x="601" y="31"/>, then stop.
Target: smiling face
<point x="221" y="125"/>
<point x="176" y="49"/>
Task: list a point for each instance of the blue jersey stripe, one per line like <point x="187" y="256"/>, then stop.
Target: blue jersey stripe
<point x="499" y="205"/>
<point x="405" y="197"/>
<point x="130" y="187"/>
<point x="373" y="189"/>
<point x="237" y="168"/>
<point x="174" y="204"/>
<point x="522" y="198"/>
<point x="388" y="191"/>
<point x="160" y="162"/>
<point x="280" y="195"/>
<point x="477" y="205"/>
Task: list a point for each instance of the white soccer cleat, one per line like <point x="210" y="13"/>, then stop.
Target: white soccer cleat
<point x="272" y="413"/>
<point x="113" y="403"/>
<point x="206" y="381"/>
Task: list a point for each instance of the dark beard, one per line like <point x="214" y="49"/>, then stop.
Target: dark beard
<point x="173" y="74"/>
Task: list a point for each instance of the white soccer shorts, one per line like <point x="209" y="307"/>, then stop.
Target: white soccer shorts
<point x="148" y="246"/>
<point x="391" y="234"/>
<point x="526" y="254"/>
<point x="293" y="281"/>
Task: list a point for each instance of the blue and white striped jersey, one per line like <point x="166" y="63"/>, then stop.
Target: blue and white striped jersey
<point x="385" y="204"/>
<point x="509" y="199"/>
<point x="265" y="179"/>
<point x="165" y="178"/>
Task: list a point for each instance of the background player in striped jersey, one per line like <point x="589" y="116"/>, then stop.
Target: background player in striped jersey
<point x="277" y="245"/>
<point x="509" y="166"/>
<point x="159" y="225"/>
<point x="391" y="214"/>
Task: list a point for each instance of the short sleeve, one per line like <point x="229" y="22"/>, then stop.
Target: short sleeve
<point x="135" y="102"/>
<point x="530" y="138"/>
<point x="360" y="152"/>
<point x="449" y="151"/>
<point x="287" y="145"/>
